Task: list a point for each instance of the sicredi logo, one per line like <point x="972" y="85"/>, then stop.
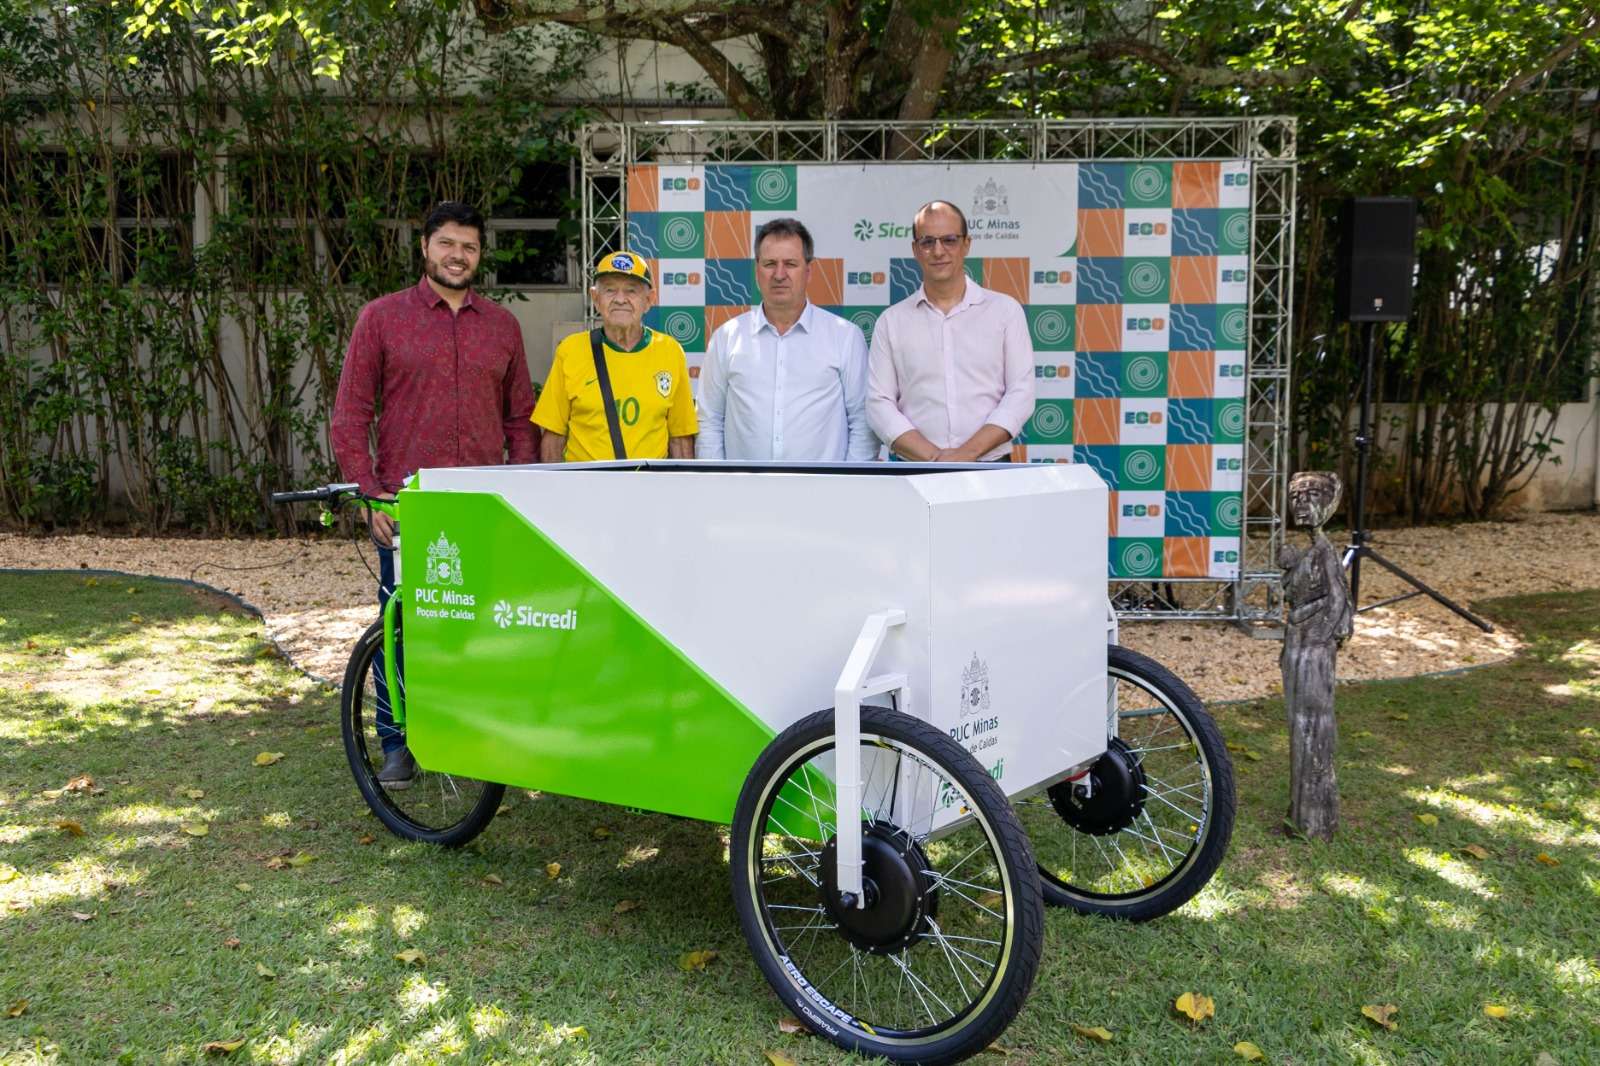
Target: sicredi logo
<point x="1141" y="418"/>
<point x="1141" y="510"/>
<point x="679" y="184"/>
<point x="1061" y="371"/>
<point x="1224" y="556"/>
<point x="1145" y="325"/>
<point x="863" y="277"/>
<point x="507" y="615"/>
<point x="690" y="278"/>
<point x="865" y="230"/>
<point x="1230" y="465"/>
<point x="1052" y="277"/>
<point x="1146" y="229"/>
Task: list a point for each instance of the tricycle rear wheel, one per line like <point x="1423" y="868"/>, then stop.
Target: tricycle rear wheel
<point x="1152" y="825"/>
<point x="941" y="958"/>
<point x="435" y="808"/>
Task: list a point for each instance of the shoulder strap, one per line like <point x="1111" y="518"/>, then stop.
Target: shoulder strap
<point x="598" y="348"/>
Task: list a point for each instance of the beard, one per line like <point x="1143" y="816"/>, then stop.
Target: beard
<point x="436" y="272"/>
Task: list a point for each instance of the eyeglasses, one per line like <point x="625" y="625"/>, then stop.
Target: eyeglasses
<point x="951" y="241"/>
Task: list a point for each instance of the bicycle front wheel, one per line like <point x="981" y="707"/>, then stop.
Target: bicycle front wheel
<point x="434" y="808"/>
<point x="940" y="958"/>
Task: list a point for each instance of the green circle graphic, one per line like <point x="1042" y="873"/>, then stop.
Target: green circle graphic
<point x="679" y="234"/>
<point x="1050" y="326"/>
<point x="1049" y="421"/>
<point x="1230" y="419"/>
<point x="1148" y="183"/>
<point x="1144" y="372"/>
<point x="1236" y="230"/>
<point x="1140" y="467"/>
<point x="772" y="185"/>
<point x="1228" y="511"/>
<point x="1233" y="325"/>
<point x="1144" y="279"/>
<point x="680" y="326"/>
<point x="1138" y="558"/>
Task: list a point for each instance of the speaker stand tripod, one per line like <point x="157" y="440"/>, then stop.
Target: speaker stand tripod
<point x="1360" y="547"/>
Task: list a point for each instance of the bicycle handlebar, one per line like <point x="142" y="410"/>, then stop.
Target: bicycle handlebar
<point x="327" y="492"/>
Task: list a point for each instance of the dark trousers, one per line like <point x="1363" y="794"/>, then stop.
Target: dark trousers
<point x="390" y="737"/>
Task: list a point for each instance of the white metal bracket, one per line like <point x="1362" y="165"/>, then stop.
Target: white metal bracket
<point x="855" y="684"/>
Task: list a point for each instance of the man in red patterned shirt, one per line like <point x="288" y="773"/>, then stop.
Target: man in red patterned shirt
<point x="450" y="373"/>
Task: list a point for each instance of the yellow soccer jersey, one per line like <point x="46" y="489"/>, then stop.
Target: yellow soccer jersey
<point x="651" y="388"/>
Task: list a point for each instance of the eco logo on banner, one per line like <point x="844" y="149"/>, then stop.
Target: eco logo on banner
<point x="1135" y="281"/>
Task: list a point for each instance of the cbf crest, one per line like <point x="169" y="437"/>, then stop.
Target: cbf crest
<point x="974" y="687"/>
<point x="664" y="382"/>
<point x="444" y="563"/>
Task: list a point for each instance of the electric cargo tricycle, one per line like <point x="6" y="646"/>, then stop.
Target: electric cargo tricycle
<point x="769" y="645"/>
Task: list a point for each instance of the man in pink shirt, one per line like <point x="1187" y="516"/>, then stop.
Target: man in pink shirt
<point x="950" y="370"/>
<point x="450" y="372"/>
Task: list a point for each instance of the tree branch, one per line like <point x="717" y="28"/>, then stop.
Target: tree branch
<point x="1553" y="60"/>
<point x="742" y="95"/>
<point x="1133" y="48"/>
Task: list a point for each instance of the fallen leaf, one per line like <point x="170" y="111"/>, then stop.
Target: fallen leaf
<point x="84" y="916"/>
<point x="1195" y="1007"/>
<point x="1252" y="756"/>
<point x="67" y="825"/>
<point x="600" y="832"/>
<point x="244" y="886"/>
<point x="504" y="808"/>
<point x="1400" y="716"/>
<point x="1097" y="1033"/>
<point x="624" y="906"/>
<point x="1382" y="1013"/>
<point x="231" y="943"/>
<point x="267" y="758"/>
<point x="8" y="873"/>
<point x="1364" y="734"/>
<point x="195" y="829"/>
<point x="367" y="838"/>
<point x="1248" y="1051"/>
<point x="264" y="972"/>
<point x="52" y="793"/>
<point x="1572" y="764"/>
<point x="411" y="957"/>
<point x="492" y="879"/>
<point x="1495" y="1010"/>
<point x="195" y="793"/>
<point x="300" y="858"/>
<point x="277" y="862"/>
<point x="17" y="1009"/>
<point x="778" y="1058"/>
<point x="1428" y="819"/>
<point x="695" y="960"/>
<point x="222" y="1047"/>
<point x="553" y="870"/>
<point x="1475" y="850"/>
<point x="82" y="783"/>
<point x="1550" y="805"/>
<point x="792" y="1025"/>
<point x="1548" y="860"/>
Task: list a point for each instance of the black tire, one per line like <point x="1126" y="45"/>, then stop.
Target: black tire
<point x="1160" y="813"/>
<point x="437" y="808"/>
<point x="923" y="922"/>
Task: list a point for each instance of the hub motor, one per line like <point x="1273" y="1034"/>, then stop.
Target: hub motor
<point x="900" y="896"/>
<point x="1113" y="797"/>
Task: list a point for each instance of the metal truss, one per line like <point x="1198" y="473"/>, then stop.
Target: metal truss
<point x="1255" y="597"/>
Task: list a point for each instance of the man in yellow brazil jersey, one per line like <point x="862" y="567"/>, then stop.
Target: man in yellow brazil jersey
<point x="620" y="391"/>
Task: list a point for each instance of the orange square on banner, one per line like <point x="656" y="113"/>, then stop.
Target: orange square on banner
<point x="826" y="288"/>
<point x="716" y="316"/>
<point x="655" y="281"/>
<point x="1195" y="185"/>
<point x="1099" y="328"/>
<point x="1096" y="420"/>
<point x="1188" y="468"/>
<point x="1099" y="231"/>
<point x="1009" y="276"/>
<point x="1111" y="512"/>
<point x="1194" y="279"/>
<point x="1191" y="374"/>
<point x="728" y="236"/>
<point x="1019" y="453"/>
<point x="644" y="188"/>
<point x="1185" y="557"/>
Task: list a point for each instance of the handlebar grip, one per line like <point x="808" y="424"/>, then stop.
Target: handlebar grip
<point x="327" y="492"/>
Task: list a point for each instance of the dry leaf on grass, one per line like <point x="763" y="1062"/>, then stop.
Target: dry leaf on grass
<point x="492" y="879"/>
<point x="300" y="858"/>
<point x="624" y="906"/>
<point x="600" y="832"/>
<point x="1572" y="764"/>
<point x="793" y="1026"/>
<point x="266" y="973"/>
<point x="411" y="957"/>
<point x="195" y="829"/>
<point x="17" y="1009"/>
<point x="1383" y="1014"/>
<point x="84" y="916"/>
<point x="8" y="873"/>
<point x="552" y="870"/>
<point x="1495" y="1010"/>
<point x="195" y="793"/>
<point x="222" y="1047"/>
<point x="67" y="825"/>
<point x="778" y="1058"/>
<point x="267" y="758"/>
<point x="1195" y="1007"/>
<point x="243" y="886"/>
<point x="231" y="943"/>
<point x="1097" y="1033"/>
<point x="1428" y="819"/>
<point x="1547" y="859"/>
<point x="1475" y="850"/>
<point x="1248" y="1051"/>
<point x="695" y="960"/>
<point x="81" y="783"/>
<point x="367" y="838"/>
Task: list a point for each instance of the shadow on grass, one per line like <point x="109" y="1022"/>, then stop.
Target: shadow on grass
<point x="194" y="938"/>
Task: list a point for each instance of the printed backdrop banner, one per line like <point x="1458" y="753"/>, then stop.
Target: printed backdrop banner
<point x="1133" y="275"/>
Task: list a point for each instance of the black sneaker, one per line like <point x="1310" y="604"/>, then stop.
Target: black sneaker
<point x="399" y="770"/>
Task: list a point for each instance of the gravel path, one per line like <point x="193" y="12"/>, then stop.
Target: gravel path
<point x="317" y="596"/>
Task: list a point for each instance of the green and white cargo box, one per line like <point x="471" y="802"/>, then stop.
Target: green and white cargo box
<point x="636" y="633"/>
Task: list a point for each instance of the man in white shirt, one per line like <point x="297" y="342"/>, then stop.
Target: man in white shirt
<point x="786" y="379"/>
<point x="950" y="374"/>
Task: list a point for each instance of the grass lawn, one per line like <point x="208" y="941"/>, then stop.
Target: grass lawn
<point x="139" y="918"/>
